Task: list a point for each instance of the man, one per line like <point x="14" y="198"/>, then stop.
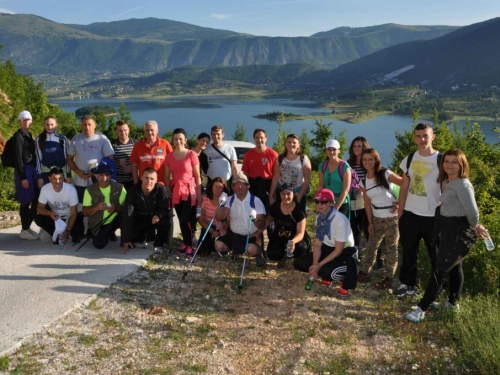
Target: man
<point x="145" y="213"/>
<point x="103" y="204"/>
<point x="258" y="166"/>
<point x="123" y="146"/>
<point x="240" y="208"/>
<point x="86" y="151"/>
<point x="25" y="176"/>
<point x="150" y="152"/>
<point x="222" y="158"/>
<point x="418" y="199"/>
<point x="62" y="199"/>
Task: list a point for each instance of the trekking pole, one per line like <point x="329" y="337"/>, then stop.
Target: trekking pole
<point x="89" y="235"/>
<point x="240" y="287"/>
<point x="221" y="203"/>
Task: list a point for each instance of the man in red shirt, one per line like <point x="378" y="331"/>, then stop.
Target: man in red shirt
<point x="150" y="152"/>
<point x="258" y="166"/>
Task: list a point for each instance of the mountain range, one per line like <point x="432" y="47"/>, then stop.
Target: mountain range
<point x="37" y="45"/>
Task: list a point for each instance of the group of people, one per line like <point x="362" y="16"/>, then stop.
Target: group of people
<point x="133" y="185"/>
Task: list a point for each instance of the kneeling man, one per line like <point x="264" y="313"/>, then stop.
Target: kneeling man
<point x="146" y="215"/>
<point x="103" y="203"/>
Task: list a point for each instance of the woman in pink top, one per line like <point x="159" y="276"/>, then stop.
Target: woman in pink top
<point x="183" y="183"/>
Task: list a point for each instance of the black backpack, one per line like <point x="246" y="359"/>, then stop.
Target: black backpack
<point x="8" y="156"/>
<point x="410" y="158"/>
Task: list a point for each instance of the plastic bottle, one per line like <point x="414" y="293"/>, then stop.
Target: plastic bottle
<point x="289" y="252"/>
<point x="490" y="246"/>
<point x="61" y="242"/>
<point x="309" y="284"/>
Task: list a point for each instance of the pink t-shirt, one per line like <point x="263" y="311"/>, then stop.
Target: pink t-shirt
<point x="181" y="170"/>
<point x="259" y="165"/>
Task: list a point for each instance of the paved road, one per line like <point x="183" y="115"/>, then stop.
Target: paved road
<point x="39" y="283"/>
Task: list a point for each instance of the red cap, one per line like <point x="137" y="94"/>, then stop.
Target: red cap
<point x="324" y="195"/>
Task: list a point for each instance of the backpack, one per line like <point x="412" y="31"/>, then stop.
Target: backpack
<point x="8" y="156"/>
<point x="354" y="189"/>
<point x="280" y="160"/>
<point x="252" y="201"/>
<point x="410" y="158"/>
<point x="385" y="184"/>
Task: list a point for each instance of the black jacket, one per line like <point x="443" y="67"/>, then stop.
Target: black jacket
<point x="139" y="206"/>
<point x="24" y="150"/>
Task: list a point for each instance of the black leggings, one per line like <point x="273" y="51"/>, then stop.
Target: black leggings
<point x="436" y="283"/>
<point x="28" y="212"/>
<point x="187" y="215"/>
<point x="277" y="245"/>
<point x="359" y="224"/>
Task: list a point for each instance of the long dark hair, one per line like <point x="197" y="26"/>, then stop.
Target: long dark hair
<point x="284" y="154"/>
<point x="43" y="135"/>
<point x="379" y="175"/>
<point x="352" y="157"/>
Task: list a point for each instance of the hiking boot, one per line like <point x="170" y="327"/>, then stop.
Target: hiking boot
<point x="363" y="277"/>
<point x="404" y="290"/>
<point x="27" y="234"/>
<point x="189" y="252"/>
<point x="44" y="236"/>
<point x="182" y="250"/>
<point x="260" y="260"/>
<point x="384" y="284"/>
<point x="158" y="250"/>
<point x="416" y="315"/>
<point x="281" y="263"/>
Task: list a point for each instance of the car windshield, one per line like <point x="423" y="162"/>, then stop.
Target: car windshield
<point x="240" y="153"/>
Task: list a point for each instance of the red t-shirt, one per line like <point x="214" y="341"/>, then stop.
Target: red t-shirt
<point x="146" y="156"/>
<point x="259" y="164"/>
<point x="182" y="170"/>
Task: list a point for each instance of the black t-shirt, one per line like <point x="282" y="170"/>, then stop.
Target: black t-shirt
<point x="286" y="225"/>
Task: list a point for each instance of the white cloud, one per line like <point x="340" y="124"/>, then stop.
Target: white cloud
<point x="220" y="16"/>
<point x="8" y="11"/>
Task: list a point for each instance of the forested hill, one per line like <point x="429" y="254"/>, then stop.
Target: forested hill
<point x="468" y="56"/>
<point x="37" y="45"/>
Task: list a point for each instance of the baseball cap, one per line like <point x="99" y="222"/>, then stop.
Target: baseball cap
<point x="241" y="177"/>
<point x="24" y="115"/>
<point x="333" y="143"/>
<point x="103" y="169"/>
<point x="286" y="187"/>
<point x="324" y="195"/>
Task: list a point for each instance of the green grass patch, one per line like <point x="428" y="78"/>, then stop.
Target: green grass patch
<point x="338" y="365"/>
<point x="4" y="363"/>
<point x="87" y="340"/>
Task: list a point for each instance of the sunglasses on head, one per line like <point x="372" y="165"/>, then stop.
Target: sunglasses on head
<point x="320" y="202"/>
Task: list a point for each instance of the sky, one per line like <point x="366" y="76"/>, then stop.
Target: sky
<point x="264" y="17"/>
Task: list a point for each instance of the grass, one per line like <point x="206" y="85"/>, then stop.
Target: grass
<point x="87" y="339"/>
<point x="4" y="363"/>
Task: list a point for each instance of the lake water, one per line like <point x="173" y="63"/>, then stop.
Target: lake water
<point x="199" y="114"/>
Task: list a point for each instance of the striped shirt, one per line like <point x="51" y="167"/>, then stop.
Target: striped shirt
<point x="210" y="212"/>
<point x="123" y="151"/>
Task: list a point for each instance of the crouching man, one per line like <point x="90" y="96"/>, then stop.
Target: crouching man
<point x="240" y="209"/>
<point x="62" y="201"/>
<point x="103" y="203"/>
<point x="146" y="215"/>
<point x="333" y="257"/>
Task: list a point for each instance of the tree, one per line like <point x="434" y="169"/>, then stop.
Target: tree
<point x="240" y="133"/>
<point x="279" y="145"/>
<point x="322" y="134"/>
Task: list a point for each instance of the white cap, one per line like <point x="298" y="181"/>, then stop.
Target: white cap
<point x="24" y="115"/>
<point x="333" y="143"/>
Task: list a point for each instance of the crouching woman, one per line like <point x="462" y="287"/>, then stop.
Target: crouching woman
<point x="334" y="256"/>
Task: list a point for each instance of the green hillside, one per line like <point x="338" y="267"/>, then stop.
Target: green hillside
<point x="152" y="28"/>
<point x="467" y="57"/>
<point x="393" y="31"/>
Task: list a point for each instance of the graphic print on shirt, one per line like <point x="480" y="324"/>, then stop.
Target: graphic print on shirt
<point x="290" y="173"/>
<point x="264" y="161"/>
<point x="59" y="206"/>
<point x="420" y="169"/>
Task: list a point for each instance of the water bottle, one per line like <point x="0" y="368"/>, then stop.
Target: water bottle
<point x="198" y="211"/>
<point x="309" y="284"/>
<point x="61" y="242"/>
<point x="289" y="252"/>
<point x="489" y="242"/>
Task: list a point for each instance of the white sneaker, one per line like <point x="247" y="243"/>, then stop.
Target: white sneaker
<point x="158" y="250"/>
<point x="416" y="315"/>
<point x="27" y="235"/>
<point x="44" y="236"/>
<point x="447" y="306"/>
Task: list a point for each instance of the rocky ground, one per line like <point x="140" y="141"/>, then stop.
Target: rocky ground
<point x="9" y="219"/>
<point x="153" y="322"/>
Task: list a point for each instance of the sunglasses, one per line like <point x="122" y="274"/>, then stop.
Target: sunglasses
<point x="320" y="202"/>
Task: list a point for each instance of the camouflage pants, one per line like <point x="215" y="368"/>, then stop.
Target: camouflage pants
<point x="388" y="227"/>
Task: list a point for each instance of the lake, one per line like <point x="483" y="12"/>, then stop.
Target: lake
<point x="199" y="114"/>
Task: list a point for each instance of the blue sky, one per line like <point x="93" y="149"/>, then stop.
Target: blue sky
<point x="264" y="17"/>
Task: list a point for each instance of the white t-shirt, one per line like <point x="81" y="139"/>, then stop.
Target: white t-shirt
<point x="218" y="166"/>
<point x="341" y="231"/>
<point x="239" y="214"/>
<point x="88" y="152"/>
<point x="379" y="196"/>
<point x="424" y="191"/>
<point x="292" y="172"/>
<point x="61" y="202"/>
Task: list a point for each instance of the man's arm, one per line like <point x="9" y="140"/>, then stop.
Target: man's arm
<point x="40" y="208"/>
<point x="234" y="167"/>
<point x="135" y="172"/>
<point x="78" y="172"/>
<point x="403" y="194"/>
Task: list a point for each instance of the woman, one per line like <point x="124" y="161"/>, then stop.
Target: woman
<point x="334" y="256"/>
<point x="218" y="238"/>
<point x="294" y="168"/>
<point x="359" y="221"/>
<point x="336" y="180"/>
<point x="289" y="228"/>
<point x="381" y="211"/>
<point x="455" y="231"/>
<point x="184" y="187"/>
<point x="202" y="142"/>
<point x="51" y="151"/>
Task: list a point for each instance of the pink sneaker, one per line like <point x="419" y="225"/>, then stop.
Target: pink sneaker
<point x="189" y="252"/>
<point x="182" y="250"/>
